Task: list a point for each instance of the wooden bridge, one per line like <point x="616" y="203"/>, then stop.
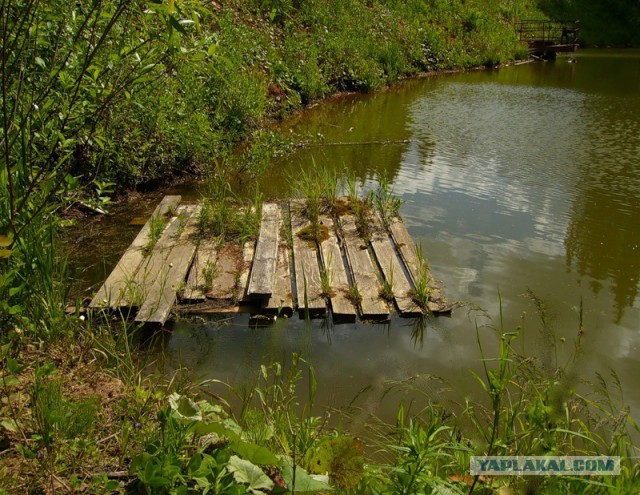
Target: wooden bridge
<point x="546" y="38"/>
<point x="172" y="266"/>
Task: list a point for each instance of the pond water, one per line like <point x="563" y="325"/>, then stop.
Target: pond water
<point x="518" y="179"/>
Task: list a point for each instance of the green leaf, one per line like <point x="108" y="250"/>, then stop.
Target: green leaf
<point x="255" y="453"/>
<point x="11" y="380"/>
<point x="40" y="62"/>
<point x="304" y="482"/>
<point x="184" y="408"/>
<point x="212" y="49"/>
<point x="342" y="457"/>
<point x="247" y="472"/>
<point x="10" y="425"/>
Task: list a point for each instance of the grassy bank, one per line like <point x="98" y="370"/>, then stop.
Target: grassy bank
<point x="80" y="417"/>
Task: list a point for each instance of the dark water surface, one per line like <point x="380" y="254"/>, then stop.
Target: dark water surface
<point x="522" y="178"/>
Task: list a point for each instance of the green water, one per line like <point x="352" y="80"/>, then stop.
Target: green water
<point x="522" y="178"/>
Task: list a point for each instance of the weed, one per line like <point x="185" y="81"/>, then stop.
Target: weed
<point x="386" y="202"/>
<point x="354" y="294"/>
<point x="421" y="284"/>
<point x="157" y="225"/>
<point x="325" y="280"/>
<point x="386" y="290"/>
<point x="209" y="273"/>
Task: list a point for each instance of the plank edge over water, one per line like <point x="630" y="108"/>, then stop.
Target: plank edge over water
<point x="306" y="265"/>
<point x="177" y="265"/>
<point x="392" y="268"/>
<point x="262" y="279"/>
<point x="363" y="271"/>
<point x="109" y="293"/>
<point x="341" y="305"/>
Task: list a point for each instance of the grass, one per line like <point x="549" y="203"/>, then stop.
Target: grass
<point x="386" y="289"/>
<point x="325" y="280"/>
<point x="354" y="294"/>
<point x="421" y="284"/>
<point x="209" y="273"/>
<point x="157" y="225"/>
<point x="61" y="421"/>
<point x="386" y="202"/>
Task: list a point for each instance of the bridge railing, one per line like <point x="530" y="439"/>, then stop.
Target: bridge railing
<point x="541" y="33"/>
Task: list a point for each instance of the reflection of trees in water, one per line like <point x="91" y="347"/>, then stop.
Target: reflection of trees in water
<point x="603" y="242"/>
<point x="603" y="237"/>
<point x="353" y="119"/>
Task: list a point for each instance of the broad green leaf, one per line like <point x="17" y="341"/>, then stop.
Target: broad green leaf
<point x="10" y="425"/>
<point x="247" y="472"/>
<point x="184" y="408"/>
<point x="255" y="453"/>
<point x="305" y="483"/>
<point x="342" y="457"/>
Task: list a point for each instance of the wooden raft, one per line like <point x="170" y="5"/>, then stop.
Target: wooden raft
<point x="172" y="266"/>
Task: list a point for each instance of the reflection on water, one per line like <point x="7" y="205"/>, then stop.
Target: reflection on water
<point x="520" y="178"/>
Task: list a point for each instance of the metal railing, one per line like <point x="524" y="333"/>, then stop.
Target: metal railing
<point x="545" y="33"/>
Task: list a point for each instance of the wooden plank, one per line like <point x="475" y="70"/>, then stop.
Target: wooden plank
<point x="244" y="269"/>
<point x="341" y="306"/>
<point x="281" y="300"/>
<point x="205" y="261"/>
<point x="392" y="269"/>
<point x="135" y="291"/>
<point x="437" y="303"/>
<point x="162" y="294"/>
<point x="224" y="282"/>
<point x="363" y="271"/>
<point x="307" y="271"/>
<point x="111" y="292"/>
<point x="263" y="270"/>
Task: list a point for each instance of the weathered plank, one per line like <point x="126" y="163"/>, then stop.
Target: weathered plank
<point x="162" y="294"/>
<point x="341" y="306"/>
<point x="135" y="291"/>
<point x="281" y="300"/>
<point x="307" y="271"/>
<point x="116" y="284"/>
<point x="363" y="271"/>
<point x="391" y="268"/>
<point x="204" y="266"/>
<point x="244" y="269"/>
<point x="223" y="286"/>
<point x="262" y="280"/>
<point x="437" y="303"/>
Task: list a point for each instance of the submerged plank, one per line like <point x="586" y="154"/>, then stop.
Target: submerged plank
<point x="162" y="294"/>
<point x="393" y="271"/>
<point x="202" y="271"/>
<point x="363" y="271"/>
<point x="307" y="271"/>
<point x="244" y="269"/>
<point x="263" y="271"/>
<point x="341" y="306"/>
<point x="116" y="284"/>
<point x="437" y="303"/>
